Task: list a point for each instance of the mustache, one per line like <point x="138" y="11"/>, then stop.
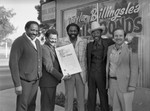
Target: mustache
<point x="34" y="34"/>
<point x="53" y="41"/>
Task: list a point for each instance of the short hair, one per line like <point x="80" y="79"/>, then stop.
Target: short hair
<point x="28" y="24"/>
<point x="73" y="24"/>
<point x="119" y="28"/>
<point x="51" y="31"/>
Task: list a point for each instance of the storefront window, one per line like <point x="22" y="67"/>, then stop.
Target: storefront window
<point x="132" y="15"/>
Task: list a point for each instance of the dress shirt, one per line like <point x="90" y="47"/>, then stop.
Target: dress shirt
<point x="114" y="56"/>
<point x="32" y="41"/>
<point x="97" y="44"/>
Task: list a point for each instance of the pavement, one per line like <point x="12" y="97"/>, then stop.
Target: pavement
<point x="5" y="82"/>
<point x="8" y="97"/>
<point x="8" y="101"/>
<point x="5" y="78"/>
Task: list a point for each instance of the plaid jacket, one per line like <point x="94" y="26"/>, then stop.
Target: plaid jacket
<point x="80" y="49"/>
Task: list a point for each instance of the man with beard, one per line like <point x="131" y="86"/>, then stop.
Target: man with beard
<point x="26" y="65"/>
<point x="78" y="80"/>
<point x="96" y="65"/>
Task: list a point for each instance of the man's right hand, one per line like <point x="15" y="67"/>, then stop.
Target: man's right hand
<point x="65" y="77"/>
<point x="18" y="90"/>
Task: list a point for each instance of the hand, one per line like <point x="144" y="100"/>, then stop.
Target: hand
<point x="18" y="90"/>
<point x="130" y="89"/>
<point x="129" y="38"/>
<point x="65" y="77"/>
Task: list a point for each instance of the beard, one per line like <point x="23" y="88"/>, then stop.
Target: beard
<point x="73" y="36"/>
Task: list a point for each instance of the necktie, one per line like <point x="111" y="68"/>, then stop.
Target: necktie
<point x="96" y="45"/>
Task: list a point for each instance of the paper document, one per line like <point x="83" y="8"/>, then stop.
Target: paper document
<point x="68" y="60"/>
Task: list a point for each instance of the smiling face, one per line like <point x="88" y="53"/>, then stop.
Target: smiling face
<point x="52" y="39"/>
<point x="32" y="31"/>
<point x="73" y="32"/>
<point x="119" y="36"/>
<point x="96" y="34"/>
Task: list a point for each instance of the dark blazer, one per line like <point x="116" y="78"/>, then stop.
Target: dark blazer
<point x="106" y="43"/>
<point x="51" y="69"/>
<point x="25" y="61"/>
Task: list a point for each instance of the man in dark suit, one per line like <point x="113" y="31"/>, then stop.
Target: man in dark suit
<point x="96" y="63"/>
<point x="26" y="66"/>
<point x="50" y="70"/>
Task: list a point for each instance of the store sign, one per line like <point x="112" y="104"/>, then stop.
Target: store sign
<point x="48" y="11"/>
<point x="111" y="14"/>
<point x="120" y="14"/>
<point x="82" y="16"/>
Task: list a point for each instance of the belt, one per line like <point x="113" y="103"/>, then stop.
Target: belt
<point x="115" y="78"/>
<point x="28" y="80"/>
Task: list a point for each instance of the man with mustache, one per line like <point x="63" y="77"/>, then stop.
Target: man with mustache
<point x="51" y="71"/>
<point x="78" y="80"/>
<point x="96" y="65"/>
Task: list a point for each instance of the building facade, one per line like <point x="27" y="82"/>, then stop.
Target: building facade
<point x="132" y="15"/>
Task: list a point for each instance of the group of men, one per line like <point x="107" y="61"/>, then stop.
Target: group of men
<point x="33" y="65"/>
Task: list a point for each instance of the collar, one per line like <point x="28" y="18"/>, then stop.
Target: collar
<point x="48" y="44"/>
<point x="99" y="41"/>
<point x="119" y="47"/>
<point x="30" y="38"/>
<point x="78" y="40"/>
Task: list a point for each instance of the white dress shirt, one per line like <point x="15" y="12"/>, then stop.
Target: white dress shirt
<point x="32" y="41"/>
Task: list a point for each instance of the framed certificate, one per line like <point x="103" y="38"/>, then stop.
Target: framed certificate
<point x="68" y="60"/>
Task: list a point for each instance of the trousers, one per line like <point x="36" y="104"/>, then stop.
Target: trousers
<point x="27" y="100"/>
<point x="75" y="82"/>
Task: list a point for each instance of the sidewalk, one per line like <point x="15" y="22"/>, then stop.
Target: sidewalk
<point x="8" y="99"/>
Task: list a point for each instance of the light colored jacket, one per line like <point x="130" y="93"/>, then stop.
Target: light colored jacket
<point x="127" y="68"/>
<point x="80" y="49"/>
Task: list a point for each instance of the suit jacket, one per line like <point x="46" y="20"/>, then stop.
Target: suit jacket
<point x="106" y="43"/>
<point x="51" y="69"/>
<point x="127" y="68"/>
<point x="80" y="49"/>
<point x="25" y="61"/>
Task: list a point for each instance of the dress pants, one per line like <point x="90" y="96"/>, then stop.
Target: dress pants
<point x="93" y="85"/>
<point x="48" y="95"/>
<point x="27" y="100"/>
<point x="128" y="97"/>
<point x="116" y="97"/>
<point x="74" y="82"/>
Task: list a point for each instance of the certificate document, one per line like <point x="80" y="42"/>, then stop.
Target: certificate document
<point x="68" y="60"/>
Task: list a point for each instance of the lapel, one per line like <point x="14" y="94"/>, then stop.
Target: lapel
<point x="78" y="45"/>
<point x="109" y="52"/>
<point x="51" y="51"/>
<point x="105" y="45"/>
<point x="90" y="46"/>
<point x="123" y="52"/>
<point x="37" y="45"/>
<point x="28" y="41"/>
